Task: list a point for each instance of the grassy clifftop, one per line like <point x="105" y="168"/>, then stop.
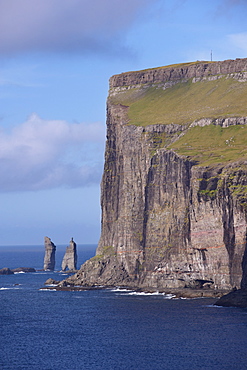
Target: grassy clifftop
<point x="186" y="64"/>
<point x="185" y="102"/>
<point x="190" y="99"/>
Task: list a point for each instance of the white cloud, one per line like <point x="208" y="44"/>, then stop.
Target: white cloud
<point x="65" y="25"/>
<point x="42" y="154"/>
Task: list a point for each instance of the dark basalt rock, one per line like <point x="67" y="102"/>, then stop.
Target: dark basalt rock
<point x="51" y="281"/>
<point x="236" y="298"/>
<point x="6" y="271"/>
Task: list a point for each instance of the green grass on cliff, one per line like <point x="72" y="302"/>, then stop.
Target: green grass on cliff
<point x="185" y="102"/>
<point x="185" y="64"/>
<point x="211" y="144"/>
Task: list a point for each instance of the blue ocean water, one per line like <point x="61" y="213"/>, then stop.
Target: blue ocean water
<point x="110" y="328"/>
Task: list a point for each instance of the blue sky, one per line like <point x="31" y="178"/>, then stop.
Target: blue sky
<point x="56" y="57"/>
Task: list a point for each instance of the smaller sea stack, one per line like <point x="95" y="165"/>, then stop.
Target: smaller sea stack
<point x="70" y="257"/>
<point x="50" y="250"/>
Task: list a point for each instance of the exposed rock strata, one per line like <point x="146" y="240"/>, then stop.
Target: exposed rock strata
<point x="167" y="223"/>
<point x="70" y="257"/>
<point x="49" y="259"/>
<point x="173" y="74"/>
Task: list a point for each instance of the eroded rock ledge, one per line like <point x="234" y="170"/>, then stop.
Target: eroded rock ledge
<point x="197" y="70"/>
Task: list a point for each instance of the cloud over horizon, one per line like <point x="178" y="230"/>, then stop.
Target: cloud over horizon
<point x="65" y="26"/>
<point x="41" y="154"/>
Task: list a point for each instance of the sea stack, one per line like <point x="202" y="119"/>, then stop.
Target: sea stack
<point x="70" y="257"/>
<point x="50" y="250"/>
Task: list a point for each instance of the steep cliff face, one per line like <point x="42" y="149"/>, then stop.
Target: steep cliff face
<point x="174" y="195"/>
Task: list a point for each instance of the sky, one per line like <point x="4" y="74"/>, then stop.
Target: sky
<point x="56" y="58"/>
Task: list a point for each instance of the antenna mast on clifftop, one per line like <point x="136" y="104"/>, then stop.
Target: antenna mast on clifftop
<point x="211" y="56"/>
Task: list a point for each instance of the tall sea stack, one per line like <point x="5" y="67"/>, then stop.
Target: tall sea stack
<point x="70" y="257"/>
<point x="174" y="187"/>
<point x="50" y="250"/>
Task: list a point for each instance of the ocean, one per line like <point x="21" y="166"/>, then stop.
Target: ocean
<point x="109" y="328"/>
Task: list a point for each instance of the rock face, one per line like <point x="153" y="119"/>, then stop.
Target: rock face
<point x="169" y="221"/>
<point x="173" y="74"/>
<point x="50" y="250"/>
<point x="70" y="257"/>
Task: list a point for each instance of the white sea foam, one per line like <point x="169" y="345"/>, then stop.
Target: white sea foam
<point x="169" y="296"/>
<point x="47" y="290"/>
<point x="164" y="295"/>
<point x="51" y="285"/>
<point x="120" y="290"/>
<point x="141" y="293"/>
<point x="9" y="288"/>
<point x="19" y="272"/>
<point x="214" y="306"/>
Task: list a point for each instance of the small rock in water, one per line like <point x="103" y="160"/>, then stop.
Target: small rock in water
<point x="6" y="271"/>
<point x="24" y="269"/>
<point x="51" y="281"/>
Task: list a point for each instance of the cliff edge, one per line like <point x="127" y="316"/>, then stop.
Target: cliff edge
<point x="174" y="187"/>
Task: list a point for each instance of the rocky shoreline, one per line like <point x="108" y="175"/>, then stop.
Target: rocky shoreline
<point x="8" y="271"/>
<point x="176" y="292"/>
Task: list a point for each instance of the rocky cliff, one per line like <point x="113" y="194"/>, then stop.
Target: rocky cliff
<point x="174" y="188"/>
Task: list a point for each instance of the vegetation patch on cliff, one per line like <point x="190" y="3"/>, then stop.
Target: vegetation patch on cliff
<point x="211" y="145"/>
<point x="176" y="65"/>
<point x="184" y="102"/>
<point x="237" y="184"/>
<point x="106" y="251"/>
